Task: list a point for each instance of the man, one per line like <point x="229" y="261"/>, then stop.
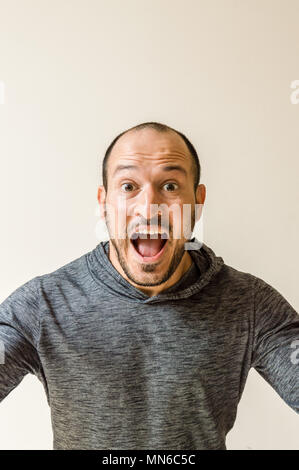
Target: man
<point x="146" y="341"/>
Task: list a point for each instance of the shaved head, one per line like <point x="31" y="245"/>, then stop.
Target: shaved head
<point x="181" y="141"/>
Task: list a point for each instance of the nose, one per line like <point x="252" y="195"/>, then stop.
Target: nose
<point x="147" y="203"/>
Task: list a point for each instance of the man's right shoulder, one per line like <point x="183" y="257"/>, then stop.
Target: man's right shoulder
<point x="73" y="273"/>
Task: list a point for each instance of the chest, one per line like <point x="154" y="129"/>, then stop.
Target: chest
<point x="128" y="343"/>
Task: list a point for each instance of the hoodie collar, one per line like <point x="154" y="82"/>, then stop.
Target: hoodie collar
<point x="104" y="273"/>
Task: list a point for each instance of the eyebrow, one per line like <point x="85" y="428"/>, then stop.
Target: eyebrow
<point x="175" y="167"/>
<point x="164" y="168"/>
<point x="124" y="167"/>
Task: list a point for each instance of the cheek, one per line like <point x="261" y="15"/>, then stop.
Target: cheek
<point x="182" y="220"/>
<point x="176" y="220"/>
<point x="118" y="220"/>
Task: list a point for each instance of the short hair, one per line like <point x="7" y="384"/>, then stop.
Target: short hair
<point x="160" y="128"/>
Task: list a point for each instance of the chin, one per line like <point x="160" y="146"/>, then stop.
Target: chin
<point x="148" y="281"/>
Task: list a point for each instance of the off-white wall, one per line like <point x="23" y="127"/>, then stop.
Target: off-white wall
<point x="76" y="74"/>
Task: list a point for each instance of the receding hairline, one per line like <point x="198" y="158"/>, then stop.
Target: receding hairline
<point x="168" y="130"/>
<point x="158" y="127"/>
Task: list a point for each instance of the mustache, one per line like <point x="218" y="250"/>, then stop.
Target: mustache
<point x="149" y="224"/>
<point x="123" y="229"/>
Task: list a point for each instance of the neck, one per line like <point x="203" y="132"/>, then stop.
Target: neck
<point x="183" y="266"/>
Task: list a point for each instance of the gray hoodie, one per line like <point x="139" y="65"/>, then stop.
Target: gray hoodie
<point x="122" y="370"/>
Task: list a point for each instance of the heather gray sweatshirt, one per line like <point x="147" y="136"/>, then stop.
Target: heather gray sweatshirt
<point x="122" y="370"/>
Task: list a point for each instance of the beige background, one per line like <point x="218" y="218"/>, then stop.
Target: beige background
<point x="76" y="74"/>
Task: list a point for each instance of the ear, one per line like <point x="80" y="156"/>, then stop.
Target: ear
<point x="200" y="197"/>
<point x="102" y="199"/>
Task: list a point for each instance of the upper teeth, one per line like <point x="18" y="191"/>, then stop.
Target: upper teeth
<point x="147" y="232"/>
<point x="151" y="232"/>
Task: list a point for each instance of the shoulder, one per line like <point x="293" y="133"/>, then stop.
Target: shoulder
<point x="72" y="271"/>
<point x="66" y="285"/>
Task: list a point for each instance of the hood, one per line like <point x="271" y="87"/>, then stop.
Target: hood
<point x="106" y="275"/>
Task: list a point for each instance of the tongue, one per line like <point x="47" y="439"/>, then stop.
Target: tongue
<point x="149" y="247"/>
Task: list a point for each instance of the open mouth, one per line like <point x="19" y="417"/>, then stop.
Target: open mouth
<point x="149" y="247"/>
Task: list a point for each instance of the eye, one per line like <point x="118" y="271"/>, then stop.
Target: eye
<point x="127" y="187"/>
<point x="171" y="186"/>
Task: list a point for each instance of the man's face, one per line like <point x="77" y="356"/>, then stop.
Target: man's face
<point x="142" y="180"/>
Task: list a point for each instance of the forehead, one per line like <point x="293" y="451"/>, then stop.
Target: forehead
<point x="151" y="147"/>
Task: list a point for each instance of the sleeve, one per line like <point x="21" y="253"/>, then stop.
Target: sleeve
<point x="276" y="342"/>
<point x="19" y="333"/>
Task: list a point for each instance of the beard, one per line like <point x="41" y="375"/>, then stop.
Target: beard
<point x="156" y="278"/>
